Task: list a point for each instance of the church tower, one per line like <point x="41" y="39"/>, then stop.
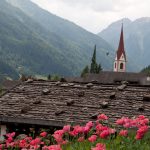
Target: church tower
<point x="120" y="59"/>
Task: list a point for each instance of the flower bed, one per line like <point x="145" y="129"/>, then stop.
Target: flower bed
<point x="124" y="134"/>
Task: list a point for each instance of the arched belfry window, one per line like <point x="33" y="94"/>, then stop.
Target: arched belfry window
<point x="121" y="66"/>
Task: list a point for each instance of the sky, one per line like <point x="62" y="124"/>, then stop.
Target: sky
<point x="96" y="15"/>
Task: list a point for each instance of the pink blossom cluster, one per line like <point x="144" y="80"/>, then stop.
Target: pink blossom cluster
<point x="135" y="122"/>
<point x="91" y="132"/>
<point x="141" y="123"/>
<point x="99" y="146"/>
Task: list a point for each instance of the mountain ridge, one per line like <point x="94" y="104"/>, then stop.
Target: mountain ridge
<point x="136" y="36"/>
<point x="27" y="43"/>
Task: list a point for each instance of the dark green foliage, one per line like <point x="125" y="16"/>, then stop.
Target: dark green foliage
<point x="49" y="77"/>
<point x="95" y="68"/>
<point x="146" y="69"/>
<point x="1" y="91"/>
<point x="23" y="77"/>
<point x="55" y="77"/>
<point x="85" y="71"/>
<point x="99" y="68"/>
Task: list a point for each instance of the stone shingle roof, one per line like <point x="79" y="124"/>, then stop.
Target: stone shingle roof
<point x="58" y="103"/>
<point x="108" y="77"/>
<point x="8" y="84"/>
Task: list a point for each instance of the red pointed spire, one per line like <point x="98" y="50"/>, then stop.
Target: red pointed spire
<point x="121" y="49"/>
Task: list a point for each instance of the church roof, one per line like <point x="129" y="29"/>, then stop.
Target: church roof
<point x="121" y="49"/>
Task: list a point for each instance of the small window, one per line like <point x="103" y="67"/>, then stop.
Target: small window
<point x="115" y="65"/>
<point x="121" y="66"/>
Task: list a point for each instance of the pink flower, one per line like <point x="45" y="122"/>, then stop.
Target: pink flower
<point x="11" y="134"/>
<point x="43" y="134"/>
<point x="34" y="147"/>
<point x="58" y="138"/>
<point x="143" y="122"/>
<point x="66" y="128"/>
<point x="36" y="141"/>
<point x="64" y="142"/>
<point x="23" y="143"/>
<point x="10" y="139"/>
<point x="99" y="146"/>
<point x="123" y="133"/>
<point x="141" y="132"/>
<point x="102" y="117"/>
<point x="120" y="121"/>
<point x="53" y="147"/>
<point x="127" y="125"/>
<point x="89" y="124"/>
<point x="141" y="117"/>
<point x="138" y="136"/>
<point x="104" y="134"/>
<point x="112" y="131"/>
<point x="60" y="132"/>
<point x="86" y="129"/>
<point x="45" y="148"/>
<point x="73" y="133"/>
<point x="79" y="129"/>
<point x="134" y="123"/>
<point x="92" y="138"/>
<point x="100" y="128"/>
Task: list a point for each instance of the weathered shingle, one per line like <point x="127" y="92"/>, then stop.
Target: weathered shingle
<point x="110" y="77"/>
<point x="75" y="102"/>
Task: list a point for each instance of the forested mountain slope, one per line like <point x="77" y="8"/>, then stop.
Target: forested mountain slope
<point x="34" y="41"/>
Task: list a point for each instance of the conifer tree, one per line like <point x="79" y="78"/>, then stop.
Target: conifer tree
<point x="95" y="68"/>
<point x="93" y="63"/>
<point x="146" y="69"/>
<point x="49" y="77"/>
<point x="99" y="68"/>
<point x="85" y="71"/>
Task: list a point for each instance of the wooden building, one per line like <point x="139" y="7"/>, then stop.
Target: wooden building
<point x="37" y="103"/>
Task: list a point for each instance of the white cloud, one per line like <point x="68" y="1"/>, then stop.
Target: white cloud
<point x="95" y="15"/>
